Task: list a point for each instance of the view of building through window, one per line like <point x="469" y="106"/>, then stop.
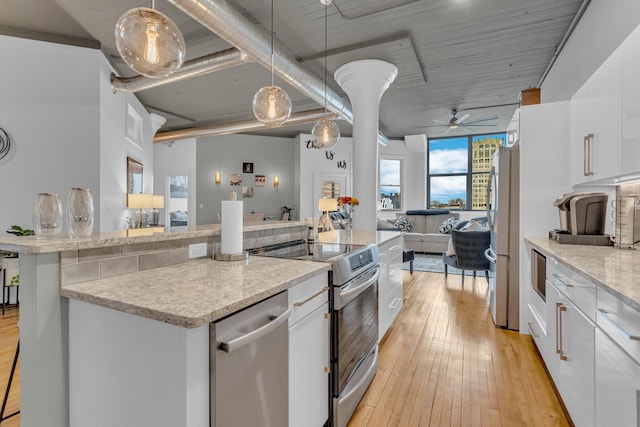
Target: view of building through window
<point x="390" y="191"/>
<point x="458" y="170"/>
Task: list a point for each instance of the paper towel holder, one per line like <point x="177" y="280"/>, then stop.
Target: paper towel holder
<point x="231" y="257"/>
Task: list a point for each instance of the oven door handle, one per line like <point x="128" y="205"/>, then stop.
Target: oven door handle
<point x="356" y="289"/>
<point x="245" y="339"/>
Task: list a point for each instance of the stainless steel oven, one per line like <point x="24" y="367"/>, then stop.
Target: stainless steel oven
<point x="354" y="337"/>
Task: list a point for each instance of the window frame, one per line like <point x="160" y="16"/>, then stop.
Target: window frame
<point x="402" y="180"/>
<point x="469" y="173"/>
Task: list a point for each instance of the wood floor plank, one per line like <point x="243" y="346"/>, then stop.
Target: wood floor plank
<point x="444" y="363"/>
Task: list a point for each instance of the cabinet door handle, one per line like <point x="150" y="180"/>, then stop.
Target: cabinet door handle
<point x="560" y="279"/>
<point x="558" y="305"/>
<point x="587" y="147"/>
<point x="561" y="308"/>
<point x="320" y="292"/>
<point x="604" y="313"/>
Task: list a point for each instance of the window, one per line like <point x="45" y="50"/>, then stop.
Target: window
<point x="458" y="170"/>
<point x="390" y="188"/>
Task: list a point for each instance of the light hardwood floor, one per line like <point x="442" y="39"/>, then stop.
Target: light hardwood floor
<point x="8" y="341"/>
<point x="442" y="363"/>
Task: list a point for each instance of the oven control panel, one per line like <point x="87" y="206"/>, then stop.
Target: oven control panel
<point x="360" y="259"/>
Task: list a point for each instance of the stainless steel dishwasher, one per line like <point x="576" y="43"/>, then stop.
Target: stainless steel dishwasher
<point x="249" y="353"/>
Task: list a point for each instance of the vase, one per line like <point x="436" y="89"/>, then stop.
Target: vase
<point x="79" y="212"/>
<point x="347" y="223"/>
<point x="47" y="216"/>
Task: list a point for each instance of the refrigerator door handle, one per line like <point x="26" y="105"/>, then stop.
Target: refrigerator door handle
<point x="490" y="255"/>
<point x="488" y="199"/>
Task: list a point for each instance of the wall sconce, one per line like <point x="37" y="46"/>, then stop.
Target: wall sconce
<point x="276" y="181"/>
<point x="217" y="177"/>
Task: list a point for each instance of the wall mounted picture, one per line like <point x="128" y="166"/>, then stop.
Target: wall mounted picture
<point x="235" y="179"/>
<point x="134" y="176"/>
<point x="247" y="167"/>
<point x="247" y="192"/>
<point x="261" y="180"/>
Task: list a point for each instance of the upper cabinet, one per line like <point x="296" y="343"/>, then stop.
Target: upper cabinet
<point x="596" y="127"/>
<point x="605" y="118"/>
<point x="631" y="103"/>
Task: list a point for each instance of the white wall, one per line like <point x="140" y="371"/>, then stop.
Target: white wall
<point x="414" y="174"/>
<point x="115" y="147"/>
<point x="49" y="106"/>
<point x="312" y="162"/>
<point x="177" y="158"/>
<point x="604" y="25"/>
<point x="66" y="129"/>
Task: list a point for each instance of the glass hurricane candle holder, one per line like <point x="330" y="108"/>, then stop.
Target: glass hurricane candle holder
<point x="80" y="212"/>
<point x="47" y="216"/>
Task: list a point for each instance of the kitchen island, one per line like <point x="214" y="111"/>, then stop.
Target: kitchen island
<point x="47" y="267"/>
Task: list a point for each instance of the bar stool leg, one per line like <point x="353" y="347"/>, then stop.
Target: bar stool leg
<point x="6" y="393"/>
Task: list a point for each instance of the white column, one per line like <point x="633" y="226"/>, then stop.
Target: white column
<point x="365" y="81"/>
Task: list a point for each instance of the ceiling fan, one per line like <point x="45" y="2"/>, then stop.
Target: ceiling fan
<point x="461" y="122"/>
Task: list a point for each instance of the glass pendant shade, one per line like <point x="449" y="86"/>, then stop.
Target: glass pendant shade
<point x="272" y="105"/>
<point x="149" y="42"/>
<point x="326" y="133"/>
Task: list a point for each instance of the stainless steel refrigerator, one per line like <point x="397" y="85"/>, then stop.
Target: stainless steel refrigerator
<point x="503" y="211"/>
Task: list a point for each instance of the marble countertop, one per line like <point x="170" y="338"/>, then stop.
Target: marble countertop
<point x="358" y="238"/>
<point x="198" y="292"/>
<point x="616" y="271"/>
<point x="31" y="245"/>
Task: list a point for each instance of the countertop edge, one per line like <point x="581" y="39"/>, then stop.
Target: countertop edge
<point x="598" y="282"/>
<point x="194" y="322"/>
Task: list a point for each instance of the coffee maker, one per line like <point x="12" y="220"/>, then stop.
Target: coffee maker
<point x="581" y="214"/>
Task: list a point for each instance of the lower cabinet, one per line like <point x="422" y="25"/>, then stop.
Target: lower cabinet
<point x="309" y="354"/>
<point x="617" y="384"/>
<point x="573" y="368"/>
<point x="389" y="283"/>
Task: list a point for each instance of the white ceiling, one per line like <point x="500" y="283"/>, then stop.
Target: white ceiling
<point x="471" y="55"/>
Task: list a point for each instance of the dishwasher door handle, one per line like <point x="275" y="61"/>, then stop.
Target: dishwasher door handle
<point x="245" y="339"/>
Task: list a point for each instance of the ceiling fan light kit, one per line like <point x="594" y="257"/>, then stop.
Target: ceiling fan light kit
<point x="149" y="42"/>
<point x="271" y="104"/>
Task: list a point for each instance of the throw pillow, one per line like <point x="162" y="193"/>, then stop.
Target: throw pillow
<point x="384" y="225"/>
<point x="403" y="225"/>
<point x="475" y="226"/>
<point x="447" y="225"/>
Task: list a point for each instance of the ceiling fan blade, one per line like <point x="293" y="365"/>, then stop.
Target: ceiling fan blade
<point x="481" y="124"/>
<point x="440" y="121"/>
<point x="429" y="126"/>
<point x="462" y="119"/>
<point x="446" y="131"/>
<point x="466" y="128"/>
<point x="482" y="120"/>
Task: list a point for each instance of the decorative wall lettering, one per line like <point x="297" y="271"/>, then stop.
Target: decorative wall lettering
<point x="329" y="154"/>
<point x="311" y="145"/>
<point x="342" y="164"/>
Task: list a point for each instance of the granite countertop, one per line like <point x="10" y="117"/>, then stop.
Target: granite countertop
<point x="30" y="245"/>
<point x="358" y="238"/>
<point x="616" y="271"/>
<point x="198" y="292"/>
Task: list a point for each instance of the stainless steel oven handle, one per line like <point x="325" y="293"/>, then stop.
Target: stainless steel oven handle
<point x="245" y="339"/>
<point x="355" y="290"/>
<point x="365" y="377"/>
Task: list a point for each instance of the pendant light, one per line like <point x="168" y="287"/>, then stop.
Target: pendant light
<point x="149" y="42"/>
<point x="326" y="133"/>
<point x="271" y="104"/>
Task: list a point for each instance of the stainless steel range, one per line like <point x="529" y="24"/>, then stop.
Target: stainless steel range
<point x="353" y="298"/>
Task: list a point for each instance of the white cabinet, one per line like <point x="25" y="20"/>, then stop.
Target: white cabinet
<point x="631" y="103"/>
<point x="309" y="353"/>
<point x="570" y="302"/>
<point x="389" y="283"/>
<point x="596" y="124"/>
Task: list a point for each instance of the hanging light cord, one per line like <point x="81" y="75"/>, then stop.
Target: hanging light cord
<point x="271" y="42"/>
<point x="326" y="6"/>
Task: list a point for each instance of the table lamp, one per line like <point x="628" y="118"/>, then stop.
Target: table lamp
<point x="140" y="201"/>
<point x="158" y="203"/>
<point x="326" y="205"/>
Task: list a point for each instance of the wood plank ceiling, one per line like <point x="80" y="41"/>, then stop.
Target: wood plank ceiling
<point x="464" y="54"/>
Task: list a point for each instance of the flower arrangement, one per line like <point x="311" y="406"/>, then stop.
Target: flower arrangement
<point x="349" y="201"/>
<point x="347" y="204"/>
